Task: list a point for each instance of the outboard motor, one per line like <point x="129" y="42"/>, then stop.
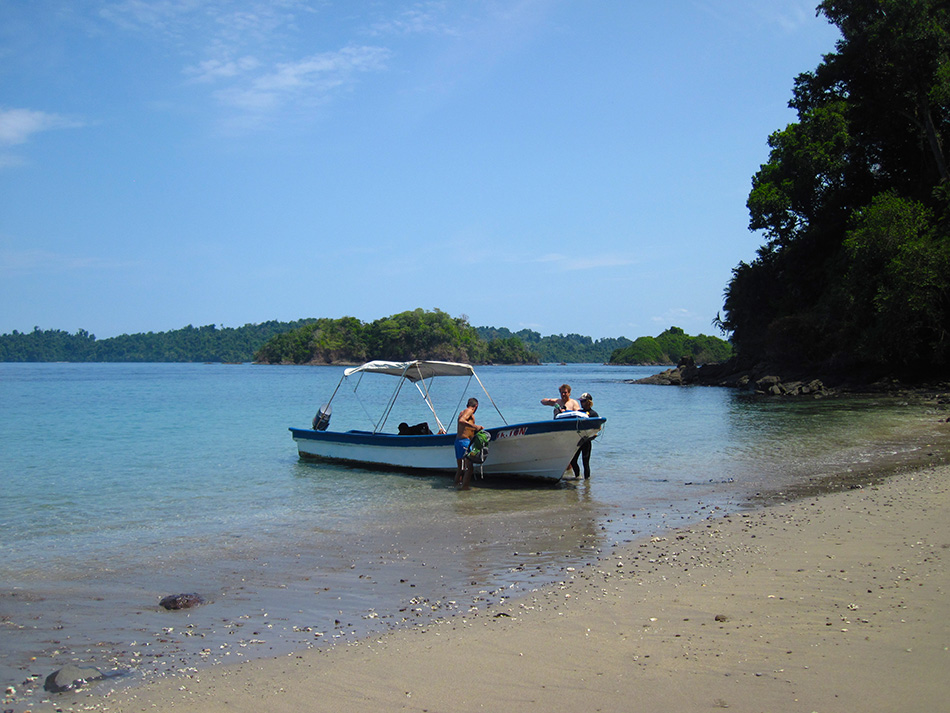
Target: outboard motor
<point x="322" y="419"/>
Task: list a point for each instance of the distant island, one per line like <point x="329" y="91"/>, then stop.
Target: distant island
<point x="416" y="334"/>
<point x="672" y="346"/>
<point x="188" y="344"/>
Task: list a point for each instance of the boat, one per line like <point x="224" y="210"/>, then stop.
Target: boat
<point x="535" y="449"/>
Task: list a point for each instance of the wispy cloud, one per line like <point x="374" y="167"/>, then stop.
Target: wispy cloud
<point x="788" y="16"/>
<point x="584" y="262"/>
<point x="20" y="262"/>
<point x="424" y="18"/>
<point x="591" y="262"/>
<point x="212" y="70"/>
<point x="312" y="79"/>
<point x="681" y="317"/>
<point x="251" y="21"/>
<point x="18" y="125"/>
<point x="257" y="57"/>
<point x="11" y="161"/>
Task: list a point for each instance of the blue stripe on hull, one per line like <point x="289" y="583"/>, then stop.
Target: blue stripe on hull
<point x="514" y="449"/>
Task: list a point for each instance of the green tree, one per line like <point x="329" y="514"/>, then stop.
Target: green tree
<point x="573" y="348"/>
<point x="853" y="201"/>
<point x="898" y="281"/>
<point x="417" y="334"/>
<point x="188" y="344"/>
<point x="670" y="346"/>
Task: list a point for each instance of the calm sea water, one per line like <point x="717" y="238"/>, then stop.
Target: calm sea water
<point x="122" y="483"/>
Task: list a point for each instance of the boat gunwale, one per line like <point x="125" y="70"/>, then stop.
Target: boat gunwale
<point x="435" y="440"/>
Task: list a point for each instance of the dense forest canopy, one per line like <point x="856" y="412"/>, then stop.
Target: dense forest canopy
<point x="435" y="335"/>
<point x="672" y="345"/>
<point x="417" y="334"/>
<point x="573" y="348"/>
<point x="854" y="203"/>
<point x="408" y="335"/>
<point x="189" y="344"/>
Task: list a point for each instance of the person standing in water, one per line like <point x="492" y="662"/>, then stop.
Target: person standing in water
<point x="564" y="403"/>
<point x="463" y="439"/>
<point x="587" y="406"/>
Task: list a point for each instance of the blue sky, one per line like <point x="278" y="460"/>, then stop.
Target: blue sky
<point x="565" y="166"/>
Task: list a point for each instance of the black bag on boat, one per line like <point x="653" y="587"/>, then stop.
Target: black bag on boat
<point x="420" y="429"/>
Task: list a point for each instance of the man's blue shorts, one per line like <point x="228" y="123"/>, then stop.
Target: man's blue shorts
<point x="461" y="447"/>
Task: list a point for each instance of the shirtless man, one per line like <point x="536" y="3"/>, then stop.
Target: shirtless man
<point x="466" y="429"/>
<point x="565" y="403"/>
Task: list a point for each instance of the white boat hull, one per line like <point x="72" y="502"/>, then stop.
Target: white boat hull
<point x="539" y="449"/>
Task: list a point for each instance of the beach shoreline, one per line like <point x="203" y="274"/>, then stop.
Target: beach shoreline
<point x="829" y="602"/>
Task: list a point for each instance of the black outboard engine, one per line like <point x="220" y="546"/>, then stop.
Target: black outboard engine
<point x="322" y="419"/>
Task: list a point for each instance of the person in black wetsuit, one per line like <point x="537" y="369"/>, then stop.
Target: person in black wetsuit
<point x="583" y="452"/>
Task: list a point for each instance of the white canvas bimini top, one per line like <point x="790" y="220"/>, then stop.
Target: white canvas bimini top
<point x="413" y="370"/>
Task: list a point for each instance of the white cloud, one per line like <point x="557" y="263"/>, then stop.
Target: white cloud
<point x="11" y="161"/>
<point x="420" y="19"/>
<point x="691" y="322"/>
<point x="590" y="262"/>
<point x="19" y="262"/>
<point x="584" y="262"/>
<point x="217" y="69"/>
<point x="789" y="16"/>
<point x="313" y="77"/>
<point x="18" y="125"/>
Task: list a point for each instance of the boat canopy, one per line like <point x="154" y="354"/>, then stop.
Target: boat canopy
<point x="413" y="370"/>
<point x="416" y="372"/>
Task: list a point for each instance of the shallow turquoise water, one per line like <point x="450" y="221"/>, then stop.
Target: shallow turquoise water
<point x="125" y="482"/>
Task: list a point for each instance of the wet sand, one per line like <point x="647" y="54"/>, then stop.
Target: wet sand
<point x="835" y="602"/>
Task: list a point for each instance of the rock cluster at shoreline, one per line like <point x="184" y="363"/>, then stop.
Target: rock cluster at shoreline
<point x="760" y="380"/>
<point x="774" y="380"/>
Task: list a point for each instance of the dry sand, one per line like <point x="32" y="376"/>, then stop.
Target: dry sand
<point x="839" y="602"/>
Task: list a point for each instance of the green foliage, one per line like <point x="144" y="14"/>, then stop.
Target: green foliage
<point x="424" y="335"/>
<point x="573" y="348"/>
<point x="898" y="280"/>
<point x="671" y="346"/>
<point x="510" y="350"/>
<point x="802" y="179"/>
<point x="408" y="335"/>
<point x="853" y="202"/>
<point x="47" y="345"/>
<point x="189" y="344"/>
<point x="644" y="350"/>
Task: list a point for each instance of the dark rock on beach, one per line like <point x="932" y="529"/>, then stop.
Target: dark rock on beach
<point x="70" y="678"/>
<point x="181" y="601"/>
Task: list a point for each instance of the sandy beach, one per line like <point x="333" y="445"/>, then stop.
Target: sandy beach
<point x="836" y="602"/>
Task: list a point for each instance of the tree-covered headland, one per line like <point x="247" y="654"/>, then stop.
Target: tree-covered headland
<point x="573" y="348"/>
<point x="854" y="205"/>
<point x="188" y="344"/>
<point x="417" y="334"/>
<point x="436" y="335"/>
<point x="671" y="346"/>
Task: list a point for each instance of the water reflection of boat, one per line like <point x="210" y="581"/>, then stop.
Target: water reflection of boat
<point x="538" y="449"/>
